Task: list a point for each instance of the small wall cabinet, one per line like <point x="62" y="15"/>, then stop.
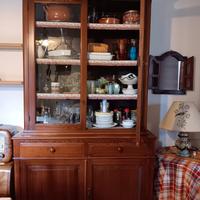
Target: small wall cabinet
<point x="171" y="73"/>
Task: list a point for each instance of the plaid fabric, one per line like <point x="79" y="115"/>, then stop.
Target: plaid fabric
<point x="177" y="178"/>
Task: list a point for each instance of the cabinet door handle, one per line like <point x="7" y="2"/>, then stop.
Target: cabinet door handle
<point x="89" y="194"/>
<point x="120" y="149"/>
<point x="52" y="150"/>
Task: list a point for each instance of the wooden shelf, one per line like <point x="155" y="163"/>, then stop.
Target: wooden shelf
<point x="90" y="96"/>
<point x="112" y="96"/>
<point x="72" y="96"/>
<point x="113" y="63"/>
<point x="93" y="26"/>
<point x="97" y="26"/>
<point x="115" y="128"/>
<point x="64" y="61"/>
<point x="10" y="46"/>
<point x="11" y="83"/>
<point x="70" y="25"/>
<point x="55" y="61"/>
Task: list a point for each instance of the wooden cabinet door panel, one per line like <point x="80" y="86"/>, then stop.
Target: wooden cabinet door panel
<point x="117" y="179"/>
<point x="52" y="179"/>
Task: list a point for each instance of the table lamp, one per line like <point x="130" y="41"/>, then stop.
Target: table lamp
<point x="182" y="117"/>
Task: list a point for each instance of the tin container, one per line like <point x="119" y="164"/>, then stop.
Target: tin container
<point x="131" y="17"/>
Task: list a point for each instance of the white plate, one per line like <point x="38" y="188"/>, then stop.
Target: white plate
<point x="105" y="125"/>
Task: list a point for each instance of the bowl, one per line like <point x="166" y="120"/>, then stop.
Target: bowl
<point x="128" y="126"/>
<point x="109" y="20"/>
<point x="128" y="123"/>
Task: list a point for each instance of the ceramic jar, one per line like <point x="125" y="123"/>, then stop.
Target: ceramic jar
<point x="55" y="87"/>
<point x="57" y="13"/>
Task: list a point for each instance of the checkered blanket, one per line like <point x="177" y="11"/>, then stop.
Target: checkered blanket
<point x="177" y="178"/>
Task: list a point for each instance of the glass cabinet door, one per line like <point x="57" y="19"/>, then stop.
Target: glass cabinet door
<point x="112" y="75"/>
<point x="57" y="63"/>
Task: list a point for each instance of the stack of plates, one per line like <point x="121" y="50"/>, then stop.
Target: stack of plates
<point x="59" y="52"/>
<point x="104" y="120"/>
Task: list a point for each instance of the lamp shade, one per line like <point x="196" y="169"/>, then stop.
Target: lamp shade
<point x="182" y="117"/>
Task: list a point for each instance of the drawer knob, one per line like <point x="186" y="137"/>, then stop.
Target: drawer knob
<point x="120" y="149"/>
<point x="2" y="156"/>
<point x="52" y="150"/>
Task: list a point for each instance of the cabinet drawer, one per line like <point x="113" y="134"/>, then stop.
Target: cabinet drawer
<point x="51" y="150"/>
<point x="115" y="149"/>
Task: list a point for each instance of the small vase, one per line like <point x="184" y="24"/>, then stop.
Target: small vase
<point x="40" y="52"/>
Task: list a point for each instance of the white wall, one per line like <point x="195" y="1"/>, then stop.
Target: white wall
<point x="11" y="64"/>
<point x="175" y="26"/>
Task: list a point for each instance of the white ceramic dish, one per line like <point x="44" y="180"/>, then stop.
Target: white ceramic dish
<point x="99" y="56"/>
<point x="105" y="125"/>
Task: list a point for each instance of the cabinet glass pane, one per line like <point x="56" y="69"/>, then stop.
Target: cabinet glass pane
<point x="58" y="111"/>
<point x="57" y="54"/>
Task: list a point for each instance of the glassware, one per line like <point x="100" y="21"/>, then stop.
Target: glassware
<point x="93" y="15"/>
<point x="133" y="115"/>
<point x="92" y="87"/>
<point x="104" y="105"/>
<point x="132" y="52"/>
<point x="122" y="49"/>
<point x="116" y="88"/>
<point x="117" y="116"/>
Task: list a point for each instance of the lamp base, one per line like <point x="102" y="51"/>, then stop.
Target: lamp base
<point x="183" y="144"/>
<point x="184" y="153"/>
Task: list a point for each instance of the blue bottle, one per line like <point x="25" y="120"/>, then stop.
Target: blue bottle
<point x="132" y="53"/>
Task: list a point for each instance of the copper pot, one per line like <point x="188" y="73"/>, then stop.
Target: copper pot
<point x="109" y="20"/>
<point x="57" y="13"/>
